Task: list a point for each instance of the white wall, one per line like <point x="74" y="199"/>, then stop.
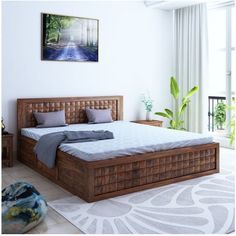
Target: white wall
<point x="134" y="55"/>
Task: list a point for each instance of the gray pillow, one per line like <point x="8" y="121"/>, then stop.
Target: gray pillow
<point x="98" y="115"/>
<point x="50" y="119"/>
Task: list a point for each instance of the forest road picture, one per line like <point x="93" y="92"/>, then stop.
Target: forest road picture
<point x="67" y="38"/>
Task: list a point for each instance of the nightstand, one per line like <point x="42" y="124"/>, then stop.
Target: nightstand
<point x="7" y="150"/>
<point x="149" y="122"/>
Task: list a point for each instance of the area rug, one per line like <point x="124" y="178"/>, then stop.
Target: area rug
<point x="198" y="206"/>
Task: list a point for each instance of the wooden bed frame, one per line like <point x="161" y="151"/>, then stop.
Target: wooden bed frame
<point x="103" y="179"/>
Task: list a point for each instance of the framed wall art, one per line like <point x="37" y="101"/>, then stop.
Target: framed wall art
<point x="69" y="38"/>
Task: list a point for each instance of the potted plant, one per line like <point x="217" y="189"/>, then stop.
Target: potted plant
<point x="3" y="126"/>
<point x="220" y="115"/>
<point x="175" y="117"/>
<point x="148" y="103"/>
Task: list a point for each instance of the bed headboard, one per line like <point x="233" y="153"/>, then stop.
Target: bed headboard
<point x="74" y="108"/>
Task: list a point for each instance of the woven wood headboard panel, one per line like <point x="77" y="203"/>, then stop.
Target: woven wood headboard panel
<point x="74" y="108"/>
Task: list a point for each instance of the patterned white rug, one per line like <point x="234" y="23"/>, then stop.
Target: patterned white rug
<point x="198" y="206"/>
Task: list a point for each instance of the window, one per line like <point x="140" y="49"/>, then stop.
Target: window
<point x="217" y="57"/>
<point x="222" y="37"/>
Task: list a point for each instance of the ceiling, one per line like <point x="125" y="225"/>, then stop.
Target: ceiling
<point x="175" y="4"/>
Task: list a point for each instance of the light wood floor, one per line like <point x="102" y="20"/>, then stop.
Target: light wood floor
<point x="55" y="223"/>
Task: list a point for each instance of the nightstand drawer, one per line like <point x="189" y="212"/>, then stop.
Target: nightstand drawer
<point x="5" y="142"/>
<point x="7" y="150"/>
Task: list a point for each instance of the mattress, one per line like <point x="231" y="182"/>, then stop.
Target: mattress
<point x="129" y="139"/>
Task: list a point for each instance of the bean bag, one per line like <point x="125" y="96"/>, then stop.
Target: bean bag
<point x="22" y="208"/>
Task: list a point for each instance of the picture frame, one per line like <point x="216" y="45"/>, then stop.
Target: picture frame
<point x="69" y="38"/>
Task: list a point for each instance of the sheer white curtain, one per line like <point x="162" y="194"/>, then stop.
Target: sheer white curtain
<point x="191" y="62"/>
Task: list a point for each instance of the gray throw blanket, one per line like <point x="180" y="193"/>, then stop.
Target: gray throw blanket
<point x="47" y="145"/>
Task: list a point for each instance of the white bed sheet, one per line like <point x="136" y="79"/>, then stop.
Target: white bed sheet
<point x="130" y="138"/>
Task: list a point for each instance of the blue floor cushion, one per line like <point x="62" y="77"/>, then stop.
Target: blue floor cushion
<point x="22" y="208"/>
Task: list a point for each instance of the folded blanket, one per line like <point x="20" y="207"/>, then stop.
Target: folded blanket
<point x="47" y="145"/>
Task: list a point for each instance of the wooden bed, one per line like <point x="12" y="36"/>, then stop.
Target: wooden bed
<point x="103" y="179"/>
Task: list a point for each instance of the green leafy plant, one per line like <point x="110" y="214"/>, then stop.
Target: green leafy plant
<point x="175" y="117"/>
<point x="220" y="115"/>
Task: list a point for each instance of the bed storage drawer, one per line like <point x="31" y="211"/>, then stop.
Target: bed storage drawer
<point x="72" y="174"/>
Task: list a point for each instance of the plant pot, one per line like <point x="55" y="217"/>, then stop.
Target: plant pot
<point x="148" y="115"/>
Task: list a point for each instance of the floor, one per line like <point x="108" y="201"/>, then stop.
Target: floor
<point x="54" y="223"/>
